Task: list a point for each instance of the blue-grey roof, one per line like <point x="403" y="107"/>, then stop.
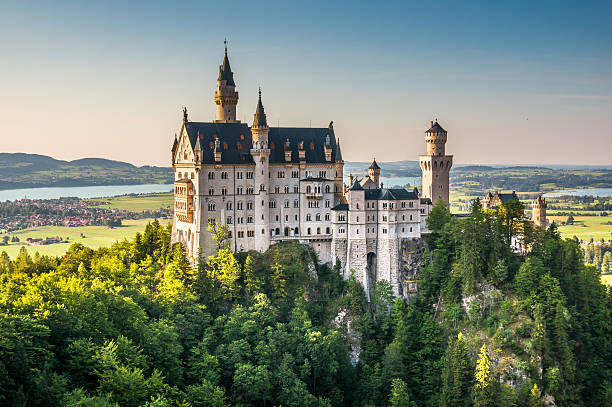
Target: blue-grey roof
<point x="341" y="207"/>
<point x="390" y="194"/>
<point x="236" y="141"/>
<point x="356" y="186"/>
<point x="225" y="71"/>
<point x="435" y="128"/>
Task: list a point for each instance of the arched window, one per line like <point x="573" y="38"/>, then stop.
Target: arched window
<point x="327" y="189"/>
<point x="296" y="231"/>
<point x="308" y="231"/>
<point x="308" y="189"/>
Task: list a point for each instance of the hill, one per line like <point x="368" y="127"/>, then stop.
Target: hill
<point x="20" y="170"/>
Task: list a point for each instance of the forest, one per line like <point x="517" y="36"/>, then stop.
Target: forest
<point x="135" y="325"/>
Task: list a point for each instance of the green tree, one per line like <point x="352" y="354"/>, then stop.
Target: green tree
<point x="400" y="397"/>
<point x="457" y="377"/>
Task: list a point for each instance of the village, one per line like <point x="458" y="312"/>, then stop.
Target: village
<point x="70" y="212"/>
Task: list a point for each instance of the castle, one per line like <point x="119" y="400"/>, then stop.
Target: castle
<point x="270" y="184"/>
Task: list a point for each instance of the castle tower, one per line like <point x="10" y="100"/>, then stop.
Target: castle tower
<point x="261" y="154"/>
<point x="338" y="174"/>
<point x="374" y="172"/>
<point x="226" y="96"/>
<point x="435" y="165"/>
<point x="538" y="215"/>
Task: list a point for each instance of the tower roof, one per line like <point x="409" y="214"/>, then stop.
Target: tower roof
<point x="338" y="151"/>
<point x="374" y="165"/>
<point x="356" y="186"/>
<point x="435" y="128"/>
<point x="225" y="71"/>
<point x="260" y="115"/>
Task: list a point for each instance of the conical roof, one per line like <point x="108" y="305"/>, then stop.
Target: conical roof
<point x="356" y="186"/>
<point x="225" y="71"/>
<point x="338" y="152"/>
<point x="260" y="115"/>
<point x="374" y="165"/>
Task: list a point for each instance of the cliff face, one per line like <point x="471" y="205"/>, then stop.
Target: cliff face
<point x="410" y="259"/>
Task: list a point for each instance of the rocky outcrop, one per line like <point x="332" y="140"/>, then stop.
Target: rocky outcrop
<point x="410" y="260"/>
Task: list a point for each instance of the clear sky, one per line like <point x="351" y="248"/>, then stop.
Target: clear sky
<point x="525" y="83"/>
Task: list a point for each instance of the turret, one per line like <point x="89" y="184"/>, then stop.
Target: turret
<point x="538" y="215"/>
<point x="436" y="165"/>
<point x="260" y="129"/>
<point x="226" y="96"/>
<point x="435" y="137"/>
<point x="374" y="172"/>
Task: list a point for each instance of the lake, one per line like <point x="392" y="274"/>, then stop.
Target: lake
<point x="82" y="192"/>
<point x="580" y="192"/>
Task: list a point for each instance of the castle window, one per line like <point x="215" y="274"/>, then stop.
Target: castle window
<point x="411" y="229"/>
<point x="249" y="191"/>
<point x="357" y="205"/>
<point x="308" y="189"/>
<point x="384" y="231"/>
<point x="357" y="231"/>
<point x="286" y="203"/>
<point x="286" y="189"/>
<point x="357" y="218"/>
<point x="250" y="233"/>
<point x="341" y="230"/>
<point x="295" y="174"/>
<point x="281" y="174"/>
<point x="229" y="234"/>
<point x="211" y="206"/>
<point x="240" y="234"/>
<point x="384" y="206"/>
<point x="250" y="205"/>
<point x="318" y="231"/>
<point x="384" y="218"/>
<point x="327" y="216"/>
<point x="239" y="175"/>
<point x="262" y="187"/>
<point x="240" y="220"/>
<point x="403" y="217"/>
<point x="308" y="217"/>
<point x="318" y="217"/>
<point x="239" y="191"/>
<point x="286" y="218"/>
<point x="276" y="189"/>
<point x="249" y="174"/>
<point x="327" y="203"/>
<point x="327" y="189"/>
<point x="272" y="204"/>
<point x="296" y="203"/>
<point x="296" y="231"/>
<point x="211" y="191"/>
<point x="249" y="219"/>
<point x="410" y="217"/>
<point x="229" y="206"/>
<point x="296" y="217"/>
<point x="224" y="175"/>
<point x="211" y="175"/>
<point x="308" y="231"/>
<point x="229" y="220"/>
<point x="322" y="174"/>
<point x="238" y="205"/>
<point x="223" y="191"/>
<point x="296" y="189"/>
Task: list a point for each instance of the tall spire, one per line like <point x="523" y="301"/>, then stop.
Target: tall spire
<point x="338" y="152"/>
<point x="260" y="115"/>
<point x="225" y="71"/>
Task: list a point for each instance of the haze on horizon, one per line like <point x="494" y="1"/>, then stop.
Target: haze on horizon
<point x="529" y="83"/>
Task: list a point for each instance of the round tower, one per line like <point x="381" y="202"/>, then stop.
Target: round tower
<point x="435" y="137"/>
<point x="226" y="96"/>
<point x="538" y="214"/>
<point x="435" y="165"/>
<point x="261" y="155"/>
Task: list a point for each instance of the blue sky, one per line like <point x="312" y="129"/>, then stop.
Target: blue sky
<point x="524" y="83"/>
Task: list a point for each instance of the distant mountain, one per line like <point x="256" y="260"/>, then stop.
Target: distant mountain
<point x="20" y="170"/>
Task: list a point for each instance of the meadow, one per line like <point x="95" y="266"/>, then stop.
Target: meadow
<point x="91" y="236"/>
<point x="585" y="227"/>
<point x="139" y="203"/>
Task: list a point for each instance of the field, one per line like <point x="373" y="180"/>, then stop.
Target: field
<point x="95" y="236"/>
<point x="139" y="203"/>
<point x="585" y="227"/>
